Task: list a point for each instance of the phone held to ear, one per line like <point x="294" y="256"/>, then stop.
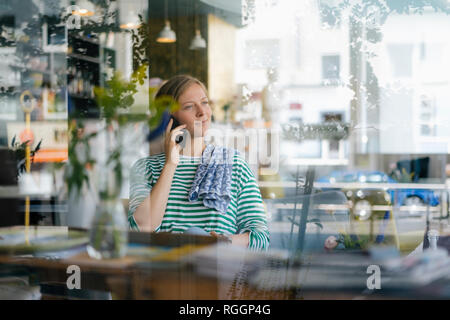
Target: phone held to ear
<point x="180" y="139"/>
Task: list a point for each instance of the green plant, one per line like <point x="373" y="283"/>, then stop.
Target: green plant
<point x="80" y="160"/>
<point x="141" y="52"/>
<point x="352" y="241"/>
<point x="118" y="94"/>
<point x="114" y="100"/>
<point x="141" y="49"/>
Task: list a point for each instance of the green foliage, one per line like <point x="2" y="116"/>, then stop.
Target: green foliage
<point x="158" y="107"/>
<point x="80" y="159"/>
<point x="141" y="49"/>
<point x="116" y="96"/>
<point x="114" y="100"/>
<point x="118" y="93"/>
<point x="354" y="241"/>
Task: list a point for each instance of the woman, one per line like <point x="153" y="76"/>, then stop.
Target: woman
<point x="200" y="185"/>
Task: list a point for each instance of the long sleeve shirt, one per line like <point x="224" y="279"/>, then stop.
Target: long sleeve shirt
<point x="246" y="212"/>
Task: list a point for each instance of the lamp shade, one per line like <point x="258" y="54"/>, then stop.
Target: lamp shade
<point x="198" y="42"/>
<point x="167" y="35"/>
<point x="130" y="21"/>
<point x="85" y="9"/>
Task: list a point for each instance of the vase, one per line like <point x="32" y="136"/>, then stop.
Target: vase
<point x="108" y="236"/>
<point x="109" y="228"/>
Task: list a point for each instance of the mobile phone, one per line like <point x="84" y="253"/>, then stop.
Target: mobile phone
<point x="180" y="139"/>
<point x="175" y="123"/>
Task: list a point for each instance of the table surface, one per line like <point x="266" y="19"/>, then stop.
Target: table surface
<point x="138" y="277"/>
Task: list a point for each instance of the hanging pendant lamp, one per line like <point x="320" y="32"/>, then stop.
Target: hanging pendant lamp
<point x="85" y="9"/>
<point x="131" y="21"/>
<point x="167" y="35"/>
<point x="198" y="42"/>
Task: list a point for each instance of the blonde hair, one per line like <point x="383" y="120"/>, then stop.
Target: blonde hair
<point x="177" y="85"/>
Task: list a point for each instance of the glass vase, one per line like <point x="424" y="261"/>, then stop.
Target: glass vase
<point x="108" y="237"/>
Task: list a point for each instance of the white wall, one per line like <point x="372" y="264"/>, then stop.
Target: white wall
<point x="303" y="42"/>
<point x="400" y="106"/>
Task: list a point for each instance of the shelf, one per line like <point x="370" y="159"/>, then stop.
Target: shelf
<point x="76" y="96"/>
<point x="84" y="58"/>
<point x="316" y="162"/>
<point x="46" y="208"/>
<point x="26" y="69"/>
<point x="8" y="50"/>
<point x="93" y="41"/>
<point x="55" y="48"/>
<point x="7" y="192"/>
<point x="39" y="50"/>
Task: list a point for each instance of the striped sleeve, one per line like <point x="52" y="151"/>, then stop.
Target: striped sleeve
<point x="251" y="214"/>
<point x="140" y="187"/>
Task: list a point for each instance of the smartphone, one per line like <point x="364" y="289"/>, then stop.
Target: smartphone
<point x="181" y="139"/>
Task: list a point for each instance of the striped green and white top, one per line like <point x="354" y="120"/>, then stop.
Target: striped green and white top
<point x="246" y="212"/>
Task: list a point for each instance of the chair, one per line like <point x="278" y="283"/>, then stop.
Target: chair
<point x="307" y="214"/>
<point x="308" y="210"/>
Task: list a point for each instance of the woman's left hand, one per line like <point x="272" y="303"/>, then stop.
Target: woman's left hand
<point x="237" y="239"/>
<point x="221" y="237"/>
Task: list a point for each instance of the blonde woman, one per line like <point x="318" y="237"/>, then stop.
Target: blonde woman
<point x="198" y="187"/>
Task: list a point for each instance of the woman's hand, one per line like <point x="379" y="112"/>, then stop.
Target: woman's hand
<point x="220" y="237"/>
<point x="172" y="148"/>
<point x="236" y="239"/>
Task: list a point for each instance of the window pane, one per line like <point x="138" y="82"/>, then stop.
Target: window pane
<point x="330" y="67"/>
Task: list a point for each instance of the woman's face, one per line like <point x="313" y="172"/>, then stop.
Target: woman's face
<point x="194" y="111"/>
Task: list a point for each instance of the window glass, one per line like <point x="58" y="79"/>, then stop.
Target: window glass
<point x="316" y="96"/>
<point x="330" y="67"/>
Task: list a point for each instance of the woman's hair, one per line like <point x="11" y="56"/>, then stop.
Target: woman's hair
<point x="175" y="86"/>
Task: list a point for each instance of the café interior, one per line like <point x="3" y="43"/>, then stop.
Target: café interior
<point x="339" y="108"/>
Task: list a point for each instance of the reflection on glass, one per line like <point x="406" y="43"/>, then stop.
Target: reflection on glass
<point x="355" y="91"/>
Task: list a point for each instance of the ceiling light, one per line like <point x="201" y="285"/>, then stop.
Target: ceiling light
<point x="85" y="9"/>
<point x="131" y="21"/>
<point x="167" y="35"/>
<point x="198" y="42"/>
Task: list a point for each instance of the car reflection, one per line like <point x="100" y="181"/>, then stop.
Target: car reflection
<point x="368" y="202"/>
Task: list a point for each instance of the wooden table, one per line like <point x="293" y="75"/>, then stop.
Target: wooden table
<point x="134" y="277"/>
